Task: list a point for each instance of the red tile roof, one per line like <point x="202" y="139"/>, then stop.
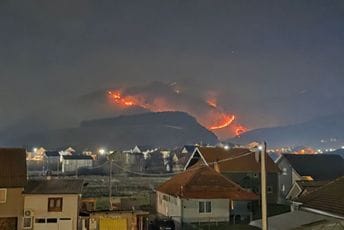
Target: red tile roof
<point x="236" y="160"/>
<point x="328" y="198"/>
<point x="204" y="183"/>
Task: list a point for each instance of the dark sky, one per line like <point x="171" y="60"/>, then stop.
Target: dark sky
<point x="270" y="62"/>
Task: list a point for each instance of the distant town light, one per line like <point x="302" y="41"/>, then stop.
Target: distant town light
<point x="35" y="150"/>
<point x="101" y="151"/>
<point x="260" y="147"/>
<point x="226" y="147"/>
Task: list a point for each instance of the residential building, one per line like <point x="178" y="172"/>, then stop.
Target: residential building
<point x="317" y="167"/>
<point x="52" y="160"/>
<point x="239" y="165"/>
<point x="200" y="194"/>
<point x="71" y="163"/>
<point x="13" y="178"/>
<point x="52" y="204"/>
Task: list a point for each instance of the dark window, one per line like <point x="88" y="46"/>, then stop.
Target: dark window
<point x="55" y="204"/>
<point x="51" y="220"/>
<point x="208" y="206"/>
<point x="201" y="207"/>
<point x="204" y="206"/>
<point x="269" y="189"/>
<point x="40" y="220"/>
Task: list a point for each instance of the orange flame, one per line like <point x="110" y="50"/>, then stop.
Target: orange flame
<point x="227" y="120"/>
<point x="240" y="129"/>
<point x="120" y="100"/>
<point x="221" y="118"/>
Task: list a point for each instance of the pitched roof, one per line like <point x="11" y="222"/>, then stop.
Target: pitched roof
<point x="310" y="185"/>
<point x="77" y="157"/>
<point x="318" y="166"/>
<point x="54" y="186"/>
<point x="328" y="198"/>
<point x="204" y="183"/>
<point x="239" y="159"/>
<point x="144" y="148"/>
<point x="52" y="153"/>
<point x="12" y="167"/>
<point x="189" y="148"/>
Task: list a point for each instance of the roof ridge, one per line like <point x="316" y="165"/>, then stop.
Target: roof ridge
<point x="321" y="187"/>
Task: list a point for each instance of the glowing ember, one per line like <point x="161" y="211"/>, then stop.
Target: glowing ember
<point x="117" y="97"/>
<point x="239" y="130"/>
<point x="226" y="121"/>
<point x="212" y="103"/>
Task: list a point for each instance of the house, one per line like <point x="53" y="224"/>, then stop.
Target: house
<point x="52" y="160"/>
<point x="71" y="163"/>
<point x="52" y="204"/>
<point x="317" y="167"/>
<point x="302" y="187"/>
<point x="327" y="200"/>
<point x="200" y="194"/>
<point x="144" y="149"/>
<point x="240" y="165"/>
<point x="13" y="178"/>
<point x="188" y="149"/>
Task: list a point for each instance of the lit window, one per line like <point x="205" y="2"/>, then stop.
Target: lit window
<point x="3" y="194"/>
<point x="284" y="171"/>
<point x="55" y="204"/>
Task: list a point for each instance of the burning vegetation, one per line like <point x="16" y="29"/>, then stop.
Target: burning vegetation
<point x="170" y="98"/>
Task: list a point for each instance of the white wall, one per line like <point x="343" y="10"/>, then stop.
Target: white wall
<point x="39" y="205"/>
<point x="171" y="206"/>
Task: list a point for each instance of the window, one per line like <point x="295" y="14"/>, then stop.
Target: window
<point x="284" y="172"/>
<point x="3" y="194"/>
<point x="204" y="207"/>
<point x="40" y="220"/>
<point x="55" y="204"/>
<point x="27" y="222"/>
<point x="269" y="189"/>
<point x="51" y="220"/>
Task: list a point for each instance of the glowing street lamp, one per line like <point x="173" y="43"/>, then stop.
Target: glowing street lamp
<point x="101" y="151"/>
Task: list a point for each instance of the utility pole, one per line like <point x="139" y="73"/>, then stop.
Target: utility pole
<point x="263" y="186"/>
<point x="110" y="183"/>
<point x="110" y="159"/>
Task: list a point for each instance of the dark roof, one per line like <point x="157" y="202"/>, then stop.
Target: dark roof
<point x="52" y="153"/>
<point x="318" y="166"/>
<point x="310" y="185"/>
<point x="328" y="198"/>
<point x="204" y="183"/>
<point x="236" y="160"/>
<point x="54" y="186"/>
<point x="12" y="167"/>
<point x="144" y="148"/>
<point x="190" y="148"/>
<point x="77" y="157"/>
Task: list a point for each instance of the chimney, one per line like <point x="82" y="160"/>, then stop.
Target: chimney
<point x="217" y="167"/>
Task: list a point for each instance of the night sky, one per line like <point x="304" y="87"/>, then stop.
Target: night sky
<point x="269" y="62"/>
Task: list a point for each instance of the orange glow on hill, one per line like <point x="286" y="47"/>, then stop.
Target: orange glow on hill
<point x="213" y="116"/>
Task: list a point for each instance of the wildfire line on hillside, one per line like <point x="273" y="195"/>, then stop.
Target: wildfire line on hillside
<point x="213" y="117"/>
